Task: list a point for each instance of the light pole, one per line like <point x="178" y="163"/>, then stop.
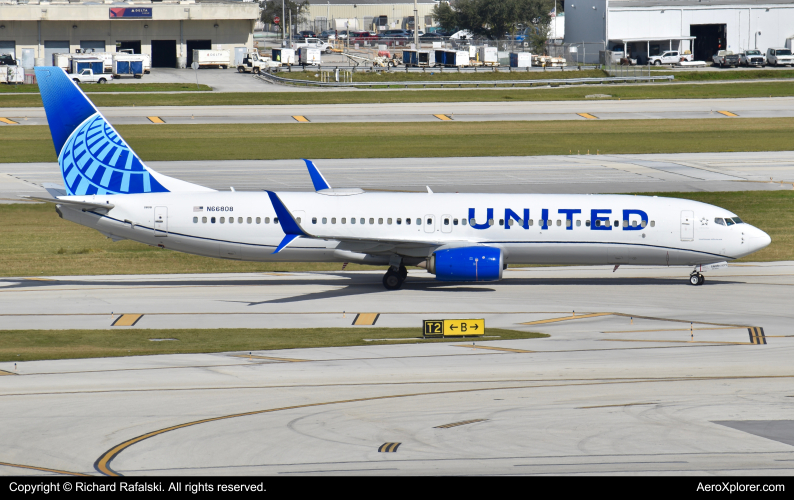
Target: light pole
<point x="416" y="28"/>
<point x="283" y="22"/>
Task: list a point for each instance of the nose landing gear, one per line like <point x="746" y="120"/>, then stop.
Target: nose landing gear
<point x="696" y="279"/>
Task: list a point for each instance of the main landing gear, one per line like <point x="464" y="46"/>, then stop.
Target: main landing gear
<point x="696" y="279"/>
<point x="393" y="279"/>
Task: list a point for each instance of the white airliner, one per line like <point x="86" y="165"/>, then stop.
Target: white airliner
<point x="457" y="237"/>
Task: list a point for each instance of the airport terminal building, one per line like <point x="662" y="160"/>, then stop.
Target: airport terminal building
<point x="168" y="30"/>
<point x="649" y="27"/>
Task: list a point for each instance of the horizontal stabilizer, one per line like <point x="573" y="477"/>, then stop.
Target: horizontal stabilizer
<point x="78" y="205"/>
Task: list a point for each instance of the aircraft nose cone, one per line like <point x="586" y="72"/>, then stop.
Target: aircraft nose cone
<point x="759" y="239"/>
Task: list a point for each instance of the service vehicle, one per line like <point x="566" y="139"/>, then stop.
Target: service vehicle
<point x="726" y="58"/>
<point x="307" y="34"/>
<point x="88" y="76"/>
<point x="363" y="36"/>
<point x="205" y="58"/>
<point x="779" y="56"/>
<point x="315" y="43"/>
<point x="128" y="65"/>
<point x="752" y="57"/>
<point x="254" y="63"/>
<point x="466" y="237"/>
<point x="309" y="56"/>
<point x="669" y="57"/>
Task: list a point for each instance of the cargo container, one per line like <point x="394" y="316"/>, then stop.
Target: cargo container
<point x="309" y="56"/>
<point x="219" y="58"/>
<point x="488" y="56"/>
<point x="456" y="58"/>
<point x="94" y="64"/>
<point x="63" y="61"/>
<point x="441" y="56"/>
<point x="147" y="59"/>
<point x="105" y="57"/>
<point x="128" y="65"/>
<point x="12" y="74"/>
<point x="419" y="58"/>
<point x="285" y="57"/>
<point x="520" y="60"/>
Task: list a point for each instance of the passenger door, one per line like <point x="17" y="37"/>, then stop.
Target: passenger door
<point x="430" y="223"/>
<point x="687" y="225"/>
<point x="161" y="221"/>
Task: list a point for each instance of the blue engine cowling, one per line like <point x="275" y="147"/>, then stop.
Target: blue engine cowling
<point x="467" y="264"/>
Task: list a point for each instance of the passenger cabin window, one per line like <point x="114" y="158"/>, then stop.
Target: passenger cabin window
<point x="559" y="222"/>
<point x="344" y="220"/>
<point x="380" y="220"/>
<point x="510" y="222"/>
<point x="258" y="220"/>
<point x="653" y="223"/>
<point x="568" y="222"/>
<point x="388" y="221"/>
<point x="418" y="222"/>
<point x="531" y="222"/>
<point x="240" y="220"/>
<point x="352" y="220"/>
<point x="446" y="222"/>
<point x="298" y="219"/>
<point x="463" y="221"/>
<point x="372" y="220"/>
<point x="587" y="223"/>
<point x="490" y="222"/>
<point x="248" y="220"/>
<point x="212" y="220"/>
<point x="325" y="220"/>
<point x="643" y="223"/>
<point x="617" y="223"/>
<point x="231" y="220"/>
<point x="429" y="221"/>
<point x="625" y="223"/>
<point x="578" y="223"/>
<point x="333" y="220"/>
<point x="195" y="220"/>
<point x="501" y="222"/>
<point x="223" y="219"/>
<point x="408" y="222"/>
<point x="399" y="221"/>
<point x="314" y="220"/>
<point x="203" y="220"/>
<point x="275" y="220"/>
<point x="361" y="220"/>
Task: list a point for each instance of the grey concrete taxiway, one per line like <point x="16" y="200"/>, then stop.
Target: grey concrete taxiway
<point x="723" y="109"/>
<point x="643" y="374"/>
<point x="506" y="174"/>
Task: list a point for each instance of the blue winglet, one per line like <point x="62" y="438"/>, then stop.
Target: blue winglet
<point x="289" y="238"/>
<point x="317" y="178"/>
<point x="285" y="218"/>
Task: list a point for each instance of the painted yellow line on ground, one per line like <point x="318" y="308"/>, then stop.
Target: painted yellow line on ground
<point x="102" y="464"/>
<point x="155" y="119"/>
<point x="39" y="279"/>
<point x="44" y="469"/>
<point x="299" y="118"/>
<point x="588" y="116"/>
<point x="444" y="118"/>
<point x="566" y="318"/>
<point x="614" y="406"/>
<point x="366" y="319"/>
<point x="727" y="113"/>
<point x="8" y="121"/>
<point x="388" y="447"/>
<point x="490" y="348"/>
<point x="3" y="372"/>
<point x="127" y="320"/>
<point x="757" y="336"/>
<point x="677" y="341"/>
<point x="249" y="356"/>
<point x="678" y="329"/>
<point x="456" y="424"/>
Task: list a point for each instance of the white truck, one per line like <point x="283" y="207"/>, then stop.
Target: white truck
<point x="779" y="56"/>
<point x="219" y="58"/>
<point x="254" y="63"/>
<point x="88" y="76"/>
<point x="669" y="57"/>
<point x="315" y="43"/>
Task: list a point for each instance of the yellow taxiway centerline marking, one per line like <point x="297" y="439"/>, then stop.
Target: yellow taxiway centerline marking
<point x="677" y="341"/>
<point x="127" y="320"/>
<point x="155" y="119"/>
<point x="3" y="372"/>
<point x="492" y="348"/>
<point x="456" y="424"/>
<point x="728" y="113"/>
<point x="588" y="116"/>
<point x="679" y="329"/>
<point x="299" y="118"/>
<point x="249" y="356"/>
<point x="8" y="121"/>
<point x="43" y="469"/>
<point x="566" y="318"/>
<point x="443" y="118"/>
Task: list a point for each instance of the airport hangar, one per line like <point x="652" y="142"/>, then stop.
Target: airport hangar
<point x="167" y="30"/>
<point x="649" y="27"/>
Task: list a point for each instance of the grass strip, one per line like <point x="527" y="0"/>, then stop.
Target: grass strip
<point x="722" y="75"/>
<point x="573" y="93"/>
<point x="36" y="242"/>
<point x="31" y="345"/>
<point x="426" y="139"/>
<point x="91" y="88"/>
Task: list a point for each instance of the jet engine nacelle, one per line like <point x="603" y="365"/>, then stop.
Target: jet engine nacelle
<point x="467" y="264"/>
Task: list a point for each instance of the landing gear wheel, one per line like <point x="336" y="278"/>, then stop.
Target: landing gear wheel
<point x="702" y="279"/>
<point x="403" y="273"/>
<point x="392" y="280"/>
<point x="696" y="279"/>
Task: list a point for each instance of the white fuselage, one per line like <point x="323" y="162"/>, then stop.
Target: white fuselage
<point x="676" y="231"/>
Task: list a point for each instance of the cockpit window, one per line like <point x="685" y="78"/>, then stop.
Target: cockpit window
<point x="738" y="220"/>
<point x="728" y="221"/>
<point x="719" y="221"/>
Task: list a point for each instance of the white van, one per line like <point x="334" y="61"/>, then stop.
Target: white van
<point x="779" y="56"/>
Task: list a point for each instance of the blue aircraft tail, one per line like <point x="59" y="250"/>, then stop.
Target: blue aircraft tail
<point x="93" y="157"/>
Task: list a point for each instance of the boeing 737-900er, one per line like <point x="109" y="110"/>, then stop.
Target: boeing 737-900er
<point x="457" y="237"/>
